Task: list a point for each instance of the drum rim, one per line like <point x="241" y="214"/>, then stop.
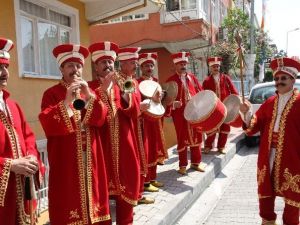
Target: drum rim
<point x="209" y="113"/>
<point x="149" y="81"/>
<point x="218" y="125"/>
<point x="238" y="112"/>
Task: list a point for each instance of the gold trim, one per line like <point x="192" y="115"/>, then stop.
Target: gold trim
<point x="65" y="116"/>
<point x="81" y="175"/>
<point x="292" y="202"/>
<point x="253" y="121"/>
<point x="89" y="110"/>
<point x="261" y="175"/>
<point x="292" y="182"/>
<point x="128" y="200"/>
<point x="4" y="180"/>
<point x="281" y="133"/>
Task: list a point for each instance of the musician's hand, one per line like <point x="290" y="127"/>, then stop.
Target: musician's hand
<point x="107" y="81"/>
<point x="70" y="94"/>
<point x="245" y="107"/>
<point x="177" y="104"/>
<point x="144" y="106"/>
<point x="157" y="96"/>
<point x="85" y="89"/>
<point x="25" y="165"/>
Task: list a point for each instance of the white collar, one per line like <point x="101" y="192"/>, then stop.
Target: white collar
<point x="288" y="94"/>
<point x="1" y="96"/>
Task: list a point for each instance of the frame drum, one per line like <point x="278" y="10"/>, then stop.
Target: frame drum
<point x="156" y="110"/>
<point x="205" y="111"/>
<point x="233" y="118"/>
<point x="148" y="88"/>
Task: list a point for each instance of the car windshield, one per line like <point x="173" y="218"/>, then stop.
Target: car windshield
<point x="261" y="94"/>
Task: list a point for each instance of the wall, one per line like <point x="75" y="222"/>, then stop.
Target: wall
<point x="28" y="91"/>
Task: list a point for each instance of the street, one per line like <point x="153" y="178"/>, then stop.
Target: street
<point x="231" y="198"/>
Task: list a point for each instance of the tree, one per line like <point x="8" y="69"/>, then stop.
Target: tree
<point x="235" y="21"/>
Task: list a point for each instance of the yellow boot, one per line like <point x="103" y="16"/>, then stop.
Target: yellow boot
<point x="157" y="184"/>
<point x="199" y="168"/>
<point x="150" y="188"/>
<point x="206" y="150"/>
<point x="222" y="151"/>
<point x="182" y="170"/>
<point x="146" y="200"/>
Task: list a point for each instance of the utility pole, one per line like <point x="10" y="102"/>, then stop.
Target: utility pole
<point x="252" y="27"/>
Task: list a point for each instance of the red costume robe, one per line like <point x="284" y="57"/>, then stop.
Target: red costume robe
<point x="154" y="140"/>
<point x="77" y="188"/>
<point x="285" y="178"/>
<point x="222" y="90"/>
<point x="186" y="135"/>
<point x="16" y="140"/>
<point x="120" y="142"/>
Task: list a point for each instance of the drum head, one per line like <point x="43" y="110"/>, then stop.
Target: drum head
<point x="232" y="104"/>
<point x="200" y="106"/>
<point x="171" y="90"/>
<point x="149" y="87"/>
<point x="156" y="109"/>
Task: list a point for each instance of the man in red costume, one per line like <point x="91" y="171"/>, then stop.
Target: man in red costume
<point x="188" y="86"/>
<point x="19" y="157"/>
<point x="78" y="192"/>
<point x="222" y="85"/>
<point x="277" y="120"/>
<point x="128" y="58"/>
<point x="118" y="132"/>
<point x="153" y="136"/>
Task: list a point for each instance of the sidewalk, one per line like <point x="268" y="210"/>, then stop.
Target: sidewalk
<point x="181" y="191"/>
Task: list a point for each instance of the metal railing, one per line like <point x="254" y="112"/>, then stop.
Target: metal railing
<point x="43" y="192"/>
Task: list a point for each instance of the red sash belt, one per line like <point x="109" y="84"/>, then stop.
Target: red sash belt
<point x="274" y="140"/>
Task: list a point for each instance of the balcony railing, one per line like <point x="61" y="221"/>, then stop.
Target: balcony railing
<point x="181" y="15"/>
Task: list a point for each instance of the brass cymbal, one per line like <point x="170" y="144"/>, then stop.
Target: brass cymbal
<point x="171" y="89"/>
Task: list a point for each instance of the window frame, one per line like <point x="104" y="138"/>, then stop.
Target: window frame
<point x="55" y="6"/>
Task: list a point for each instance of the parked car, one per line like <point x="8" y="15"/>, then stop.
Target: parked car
<point x="258" y="95"/>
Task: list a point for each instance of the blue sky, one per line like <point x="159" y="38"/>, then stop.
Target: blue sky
<point x="281" y="17"/>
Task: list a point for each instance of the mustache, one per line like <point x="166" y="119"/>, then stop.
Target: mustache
<point x="75" y="73"/>
<point x="183" y="68"/>
<point x="108" y="68"/>
<point x="280" y="84"/>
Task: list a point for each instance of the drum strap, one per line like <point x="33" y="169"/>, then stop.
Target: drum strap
<point x="193" y="83"/>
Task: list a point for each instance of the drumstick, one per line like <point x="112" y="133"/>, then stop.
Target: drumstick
<point x="238" y="39"/>
<point x="153" y="95"/>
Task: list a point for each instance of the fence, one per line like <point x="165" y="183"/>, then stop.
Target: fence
<point x="237" y="84"/>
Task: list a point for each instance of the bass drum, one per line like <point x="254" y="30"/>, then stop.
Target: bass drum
<point x="205" y="111"/>
<point x="232" y="104"/>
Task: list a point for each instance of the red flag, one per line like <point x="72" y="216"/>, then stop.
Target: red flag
<point x="262" y="26"/>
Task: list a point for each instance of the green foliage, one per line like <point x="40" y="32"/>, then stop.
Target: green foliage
<point x="268" y="76"/>
<point x="237" y="21"/>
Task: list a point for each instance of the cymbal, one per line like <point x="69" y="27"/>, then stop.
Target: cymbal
<point x="171" y="90"/>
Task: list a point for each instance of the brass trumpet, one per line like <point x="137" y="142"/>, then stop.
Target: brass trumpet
<point x="126" y="85"/>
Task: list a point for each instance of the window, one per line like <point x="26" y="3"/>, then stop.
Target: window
<point x="175" y="5"/>
<point x="127" y="18"/>
<point x="43" y="27"/>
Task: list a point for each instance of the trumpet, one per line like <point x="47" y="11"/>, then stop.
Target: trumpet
<point x="78" y="103"/>
<point x="126" y="85"/>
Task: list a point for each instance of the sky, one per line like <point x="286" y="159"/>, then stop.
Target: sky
<point x="281" y="19"/>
